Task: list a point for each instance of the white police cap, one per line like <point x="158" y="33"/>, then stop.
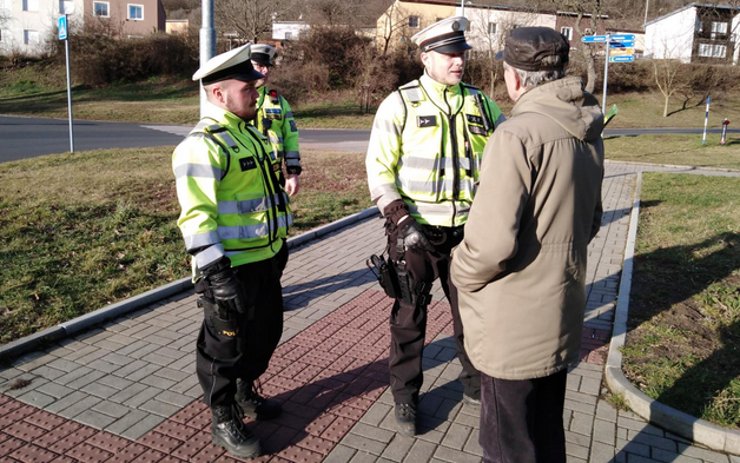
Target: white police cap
<point x="233" y="64"/>
<point x="445" y="36"/>
<point x="263" y="54"/>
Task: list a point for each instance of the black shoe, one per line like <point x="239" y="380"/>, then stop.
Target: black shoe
<point x="228" y="431"/>
<point x="406" y="419"/>
<point x="251" y="404"/>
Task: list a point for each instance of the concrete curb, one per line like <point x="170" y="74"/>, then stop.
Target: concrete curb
<point x="22" y="345"/>
<point x="687" y="426"/>
<point x="684" y="168"/>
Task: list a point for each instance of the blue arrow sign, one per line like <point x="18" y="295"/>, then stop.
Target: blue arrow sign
<point x="622" y="37"/>
<point x="622" y="59"/>
<point x="62" y="26"/>
<point x="593" y="38"/>
<point x="626" y="44"/>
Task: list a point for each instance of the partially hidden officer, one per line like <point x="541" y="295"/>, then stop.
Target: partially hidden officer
<point x="276" y="121"/>
<point x="422" y="162"/>
<point x="234" y="219"/>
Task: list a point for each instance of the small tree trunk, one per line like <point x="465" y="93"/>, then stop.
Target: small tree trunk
<point x="665" y="106"/>
<point x="590" y="72"/>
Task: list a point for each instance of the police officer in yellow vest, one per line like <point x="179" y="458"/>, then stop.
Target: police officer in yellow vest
<point x="422" y="165"/>
<point x="275" y="120"/>
<point x="234" y="220"/>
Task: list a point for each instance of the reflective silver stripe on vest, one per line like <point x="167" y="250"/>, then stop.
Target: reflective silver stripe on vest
<point x="387" y="127"/>
<point x="243" y="207"/>
<point x="238" y="232"/>
<point x="198" y="171"/>
<point x="288" y="114"/>
<point x="413" y="93"/>
<point x="431" y="187"/>
<point x="209" y="255"/>
<point x="416" y="162"/>
<point x="445" y="209"/>
<point x="285" y="221"/>
<point x="201" y="240"/>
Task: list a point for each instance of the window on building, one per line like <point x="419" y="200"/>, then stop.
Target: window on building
<point x="491" y="28"/>
<point x="709" y="50"/>
<point x="288" y="36"/>
<point x="30" y="5"/>
<point x="413" y="21"/>
<point x="719" y="30"/>
<point x="30" y="37"/>
<point x="101" y="9"/>
<point x="135" y="12"/>
<point x="567" y="32"/>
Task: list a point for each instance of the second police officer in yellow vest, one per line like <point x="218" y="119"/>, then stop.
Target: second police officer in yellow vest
<point x="422" y="163"/>
<point x="275" y="120"/>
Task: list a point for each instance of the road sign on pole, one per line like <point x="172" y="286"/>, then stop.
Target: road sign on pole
<point x="62" y="27"/>
<point x="622" y="37"/>
<point x="622" y="58"/>
<point x="593" y="38"/>
<point x="626" y="44"/>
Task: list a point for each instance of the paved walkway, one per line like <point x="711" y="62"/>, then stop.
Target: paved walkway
<point x="127" y="391"/>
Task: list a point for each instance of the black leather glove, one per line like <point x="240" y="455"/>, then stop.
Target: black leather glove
<point x="227" y="292"/>
<point x="413" y="236"/>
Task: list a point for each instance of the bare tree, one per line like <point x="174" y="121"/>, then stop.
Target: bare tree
<point x="249" y="19"/>
<point x="592" y="12"/>
<point x="666" y="74"/>
<point x="391" y="23"/>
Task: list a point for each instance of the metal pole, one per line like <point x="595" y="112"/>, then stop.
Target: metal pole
<point x="706" y="121"/>
<point x="207" y="42"/>
<point x="69" y="89"/>
<point x="647" y="7"/>
<point x="606" y="74"/>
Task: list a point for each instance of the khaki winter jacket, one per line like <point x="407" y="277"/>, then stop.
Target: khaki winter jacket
<point x="521" y="268"/>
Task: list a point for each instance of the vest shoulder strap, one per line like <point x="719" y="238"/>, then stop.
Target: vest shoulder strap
<point x="219" y="135"/>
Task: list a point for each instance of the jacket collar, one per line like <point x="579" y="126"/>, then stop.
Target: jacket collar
<point x="442" y="94"/>
<point x="221" y="115"/>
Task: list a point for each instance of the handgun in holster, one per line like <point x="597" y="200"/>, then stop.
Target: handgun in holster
<point x="397" y="282"/>
<point x="385" y="272"/>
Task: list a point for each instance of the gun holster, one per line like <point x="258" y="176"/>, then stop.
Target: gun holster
<point x="397" y="282"/>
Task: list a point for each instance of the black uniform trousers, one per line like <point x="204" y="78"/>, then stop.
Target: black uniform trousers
<point x="408" y="322"/>
<point x="240" y="345"/>
<point x="521" y="421"/>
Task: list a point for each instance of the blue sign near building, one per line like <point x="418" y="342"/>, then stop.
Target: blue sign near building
<point x="62" y="27"/>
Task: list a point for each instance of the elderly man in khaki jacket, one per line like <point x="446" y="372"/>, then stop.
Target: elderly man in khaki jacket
<point x="521" y="268"/>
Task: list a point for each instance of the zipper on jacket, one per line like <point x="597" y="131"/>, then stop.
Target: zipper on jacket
<point x="453" y="141"/>
<point x="267" y="180"/>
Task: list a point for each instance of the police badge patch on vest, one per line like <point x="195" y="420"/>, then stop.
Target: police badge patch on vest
<point x="426" y="121"/>
<point x="476" y="124"/>
<point x="273" y="113"/>
<point x="247" y="164"/>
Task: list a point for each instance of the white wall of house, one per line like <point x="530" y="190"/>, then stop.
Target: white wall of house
<point x="671" y="36"/>
<point x="488" y="26"/>
<point x="288" y="30"/>
<point x="29" y="24"/>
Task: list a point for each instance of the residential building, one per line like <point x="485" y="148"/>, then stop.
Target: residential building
<point x="404" y="18"/>
<point x="288" y="30"/>
<point x="697" y="32"/>
<point x="490" y="24"/>
<point x="30" y="24"/>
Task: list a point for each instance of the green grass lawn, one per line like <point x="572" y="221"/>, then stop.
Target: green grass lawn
<point x="685" y="150"/>
<point x="84" y="230"/>
<point x="683" y="341"/>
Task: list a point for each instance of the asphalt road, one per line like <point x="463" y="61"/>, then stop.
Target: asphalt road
<point x="24" y="137"/>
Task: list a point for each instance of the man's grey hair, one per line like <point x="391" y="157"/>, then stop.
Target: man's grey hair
<point x="531" y="79"/>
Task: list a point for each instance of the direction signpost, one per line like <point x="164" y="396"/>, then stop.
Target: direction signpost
<point x="618" y="48"/>
<point x="63" y="29"/>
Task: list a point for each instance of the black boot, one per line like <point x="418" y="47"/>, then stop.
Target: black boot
<point x="229" y="432"/>
<point x="252" y="405"/>
<point x="406" y="419"/>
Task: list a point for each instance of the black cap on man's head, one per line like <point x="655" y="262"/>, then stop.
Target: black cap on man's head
<point x="535" y="49"/>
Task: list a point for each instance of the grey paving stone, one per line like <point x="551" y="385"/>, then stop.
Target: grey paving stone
<point x="456" y="437"/>
<point x="54" y="390"/>
<point x="704" y="454"/>
<point x="157" y="381"/>
<point x="142" y="396"/>
<point x="375" y="414"/>
<point x="601" y="453"/>
<point x="142" y="427"/>
<point x="99" y="390"/>
<point x="373" y="432"/>
<point x="578" y="451"/>
<point x="36" y="398"/>
<point x="94" y="418"/>
<point x="398" y="448"/>
<point x="115" y="382"/>
<point x="47" y="372"/>
<point x="632" y="448"/>
<point x="83" y="380"/>
<point x="605" y="411"/>
<point x="654" y="441"/>
<point x="173" y="398"/>
<point x="363" y="444"/>
<point x="604" y="432"/>
<point x="473" y="444"/>
<point x="160" y="408"/>
<point x="66" y="401"/>
<point x="125" y="394"/>
<point x="112" y="409"/>
<point x="420" y="451"/>
<point x="581" y="423"/>
<point x="455" y="456"/>
<point x="79" y="407"/>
